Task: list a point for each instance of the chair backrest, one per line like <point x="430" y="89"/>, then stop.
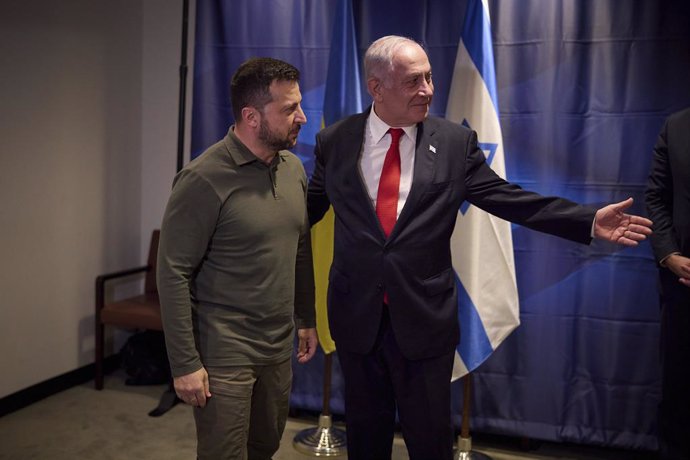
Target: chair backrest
<point x="150" y="285"/>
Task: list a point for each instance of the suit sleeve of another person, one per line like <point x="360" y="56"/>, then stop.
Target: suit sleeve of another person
<point x="553" y="215"/>
<point x="317" y="199"/>
<point x="659" y="200"/>
<point x="305" y="311"/>
<point x="189" y="221"/>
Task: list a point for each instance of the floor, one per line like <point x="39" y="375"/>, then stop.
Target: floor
<point x="82" y="423"/>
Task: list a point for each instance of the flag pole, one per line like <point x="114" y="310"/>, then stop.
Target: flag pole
<point x="473" y="102"/>
<point x="464" y="444"/>
<point x="325" y="440"/>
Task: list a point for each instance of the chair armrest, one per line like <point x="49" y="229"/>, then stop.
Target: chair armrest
<point x="101" y="279"/>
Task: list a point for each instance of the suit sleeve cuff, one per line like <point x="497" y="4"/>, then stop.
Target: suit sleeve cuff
<point x="662" y="262"/>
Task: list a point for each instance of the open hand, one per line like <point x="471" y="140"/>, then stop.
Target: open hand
<point x="613" y="224"/>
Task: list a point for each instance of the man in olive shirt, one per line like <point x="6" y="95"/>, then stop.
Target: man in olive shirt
<point x="235" y="271"/>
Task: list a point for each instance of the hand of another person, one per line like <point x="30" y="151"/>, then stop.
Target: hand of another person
<point x="308" y="342"/>
<point x="679" y="265"/>
<point x="612" y="224"/>
<point x="193" y="388"/>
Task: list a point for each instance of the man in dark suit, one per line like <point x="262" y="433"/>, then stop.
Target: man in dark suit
<point x="392" y="297"/>
<point x="668" y="204"/>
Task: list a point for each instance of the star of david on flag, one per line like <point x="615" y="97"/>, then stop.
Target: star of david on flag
<point x="489" y="150"/>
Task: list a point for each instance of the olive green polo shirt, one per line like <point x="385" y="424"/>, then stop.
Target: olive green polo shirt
<point x="235" y="270"/>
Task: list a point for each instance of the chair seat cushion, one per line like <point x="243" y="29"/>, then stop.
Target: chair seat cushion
<point x="140" y="312"/>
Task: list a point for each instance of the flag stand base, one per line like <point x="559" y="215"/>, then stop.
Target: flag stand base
<point x="464" y="451"/>
<point x="322" y="441"/>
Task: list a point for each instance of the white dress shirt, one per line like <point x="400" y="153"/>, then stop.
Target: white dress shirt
<point x="376" y="143"/>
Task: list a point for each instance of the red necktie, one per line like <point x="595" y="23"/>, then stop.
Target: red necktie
<point x="389" y="184"/>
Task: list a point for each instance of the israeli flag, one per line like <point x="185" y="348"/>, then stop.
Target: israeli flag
<point x="482" y="245"/>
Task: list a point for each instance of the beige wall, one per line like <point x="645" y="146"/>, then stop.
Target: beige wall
<point x="88" y="135"/>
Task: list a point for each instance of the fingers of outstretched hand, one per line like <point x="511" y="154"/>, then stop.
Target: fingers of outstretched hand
<point x="642" y="223"/>
<point x="627" y="242"/>
<point x="635" y="234"/>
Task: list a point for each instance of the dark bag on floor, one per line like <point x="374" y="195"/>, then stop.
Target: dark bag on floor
<point x="145" y="359"/>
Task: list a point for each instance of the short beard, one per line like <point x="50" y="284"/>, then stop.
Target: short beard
<point x="271" y="140"/>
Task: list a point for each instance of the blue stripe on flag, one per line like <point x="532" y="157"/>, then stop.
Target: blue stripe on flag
<point x="475" y="345"/>
<point x="479" y="45"/>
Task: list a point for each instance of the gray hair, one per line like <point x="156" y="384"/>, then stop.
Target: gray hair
<point x="378" y="60"/>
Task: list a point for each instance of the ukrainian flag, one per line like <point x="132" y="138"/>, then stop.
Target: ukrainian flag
<point x="343" y="97"/>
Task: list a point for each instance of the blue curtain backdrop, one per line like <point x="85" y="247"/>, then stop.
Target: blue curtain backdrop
<point x="583" y="89"/>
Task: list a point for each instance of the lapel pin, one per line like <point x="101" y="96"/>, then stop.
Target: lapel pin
<point x="432" y="149"/>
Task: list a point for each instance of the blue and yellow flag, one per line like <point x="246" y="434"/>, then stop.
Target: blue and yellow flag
<point x="343" y="97"/>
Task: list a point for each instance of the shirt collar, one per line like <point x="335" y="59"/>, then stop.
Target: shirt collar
<point x="379" y="128"/>
<point x="241" y="154"/>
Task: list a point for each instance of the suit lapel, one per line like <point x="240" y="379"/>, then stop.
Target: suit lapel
<point x="424" y="164"/>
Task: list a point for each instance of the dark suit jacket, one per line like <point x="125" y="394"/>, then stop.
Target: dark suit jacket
<point x="414" y="264"/>
<point x="668" y="192"/>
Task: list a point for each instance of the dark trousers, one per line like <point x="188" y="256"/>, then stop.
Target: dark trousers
<point x="245" y="417"/>
<point x="383" y="380"/>
<point x="674" y="410"/>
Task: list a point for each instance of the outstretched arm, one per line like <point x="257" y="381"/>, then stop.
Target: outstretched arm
<point x="613" y="224"/>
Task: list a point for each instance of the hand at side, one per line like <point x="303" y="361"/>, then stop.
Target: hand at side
<point x="308" y="342"/>
<point x="193" y="388"/>
<point x="679" y="265"/>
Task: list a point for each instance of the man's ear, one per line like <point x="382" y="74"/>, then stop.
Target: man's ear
<point x="250" y="116"/>
<point x="374" y="87"/>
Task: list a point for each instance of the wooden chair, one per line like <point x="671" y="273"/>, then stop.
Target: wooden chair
<point x="139" y="312"/>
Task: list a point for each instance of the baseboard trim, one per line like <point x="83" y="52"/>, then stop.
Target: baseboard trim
<point x="34" y="393"/>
